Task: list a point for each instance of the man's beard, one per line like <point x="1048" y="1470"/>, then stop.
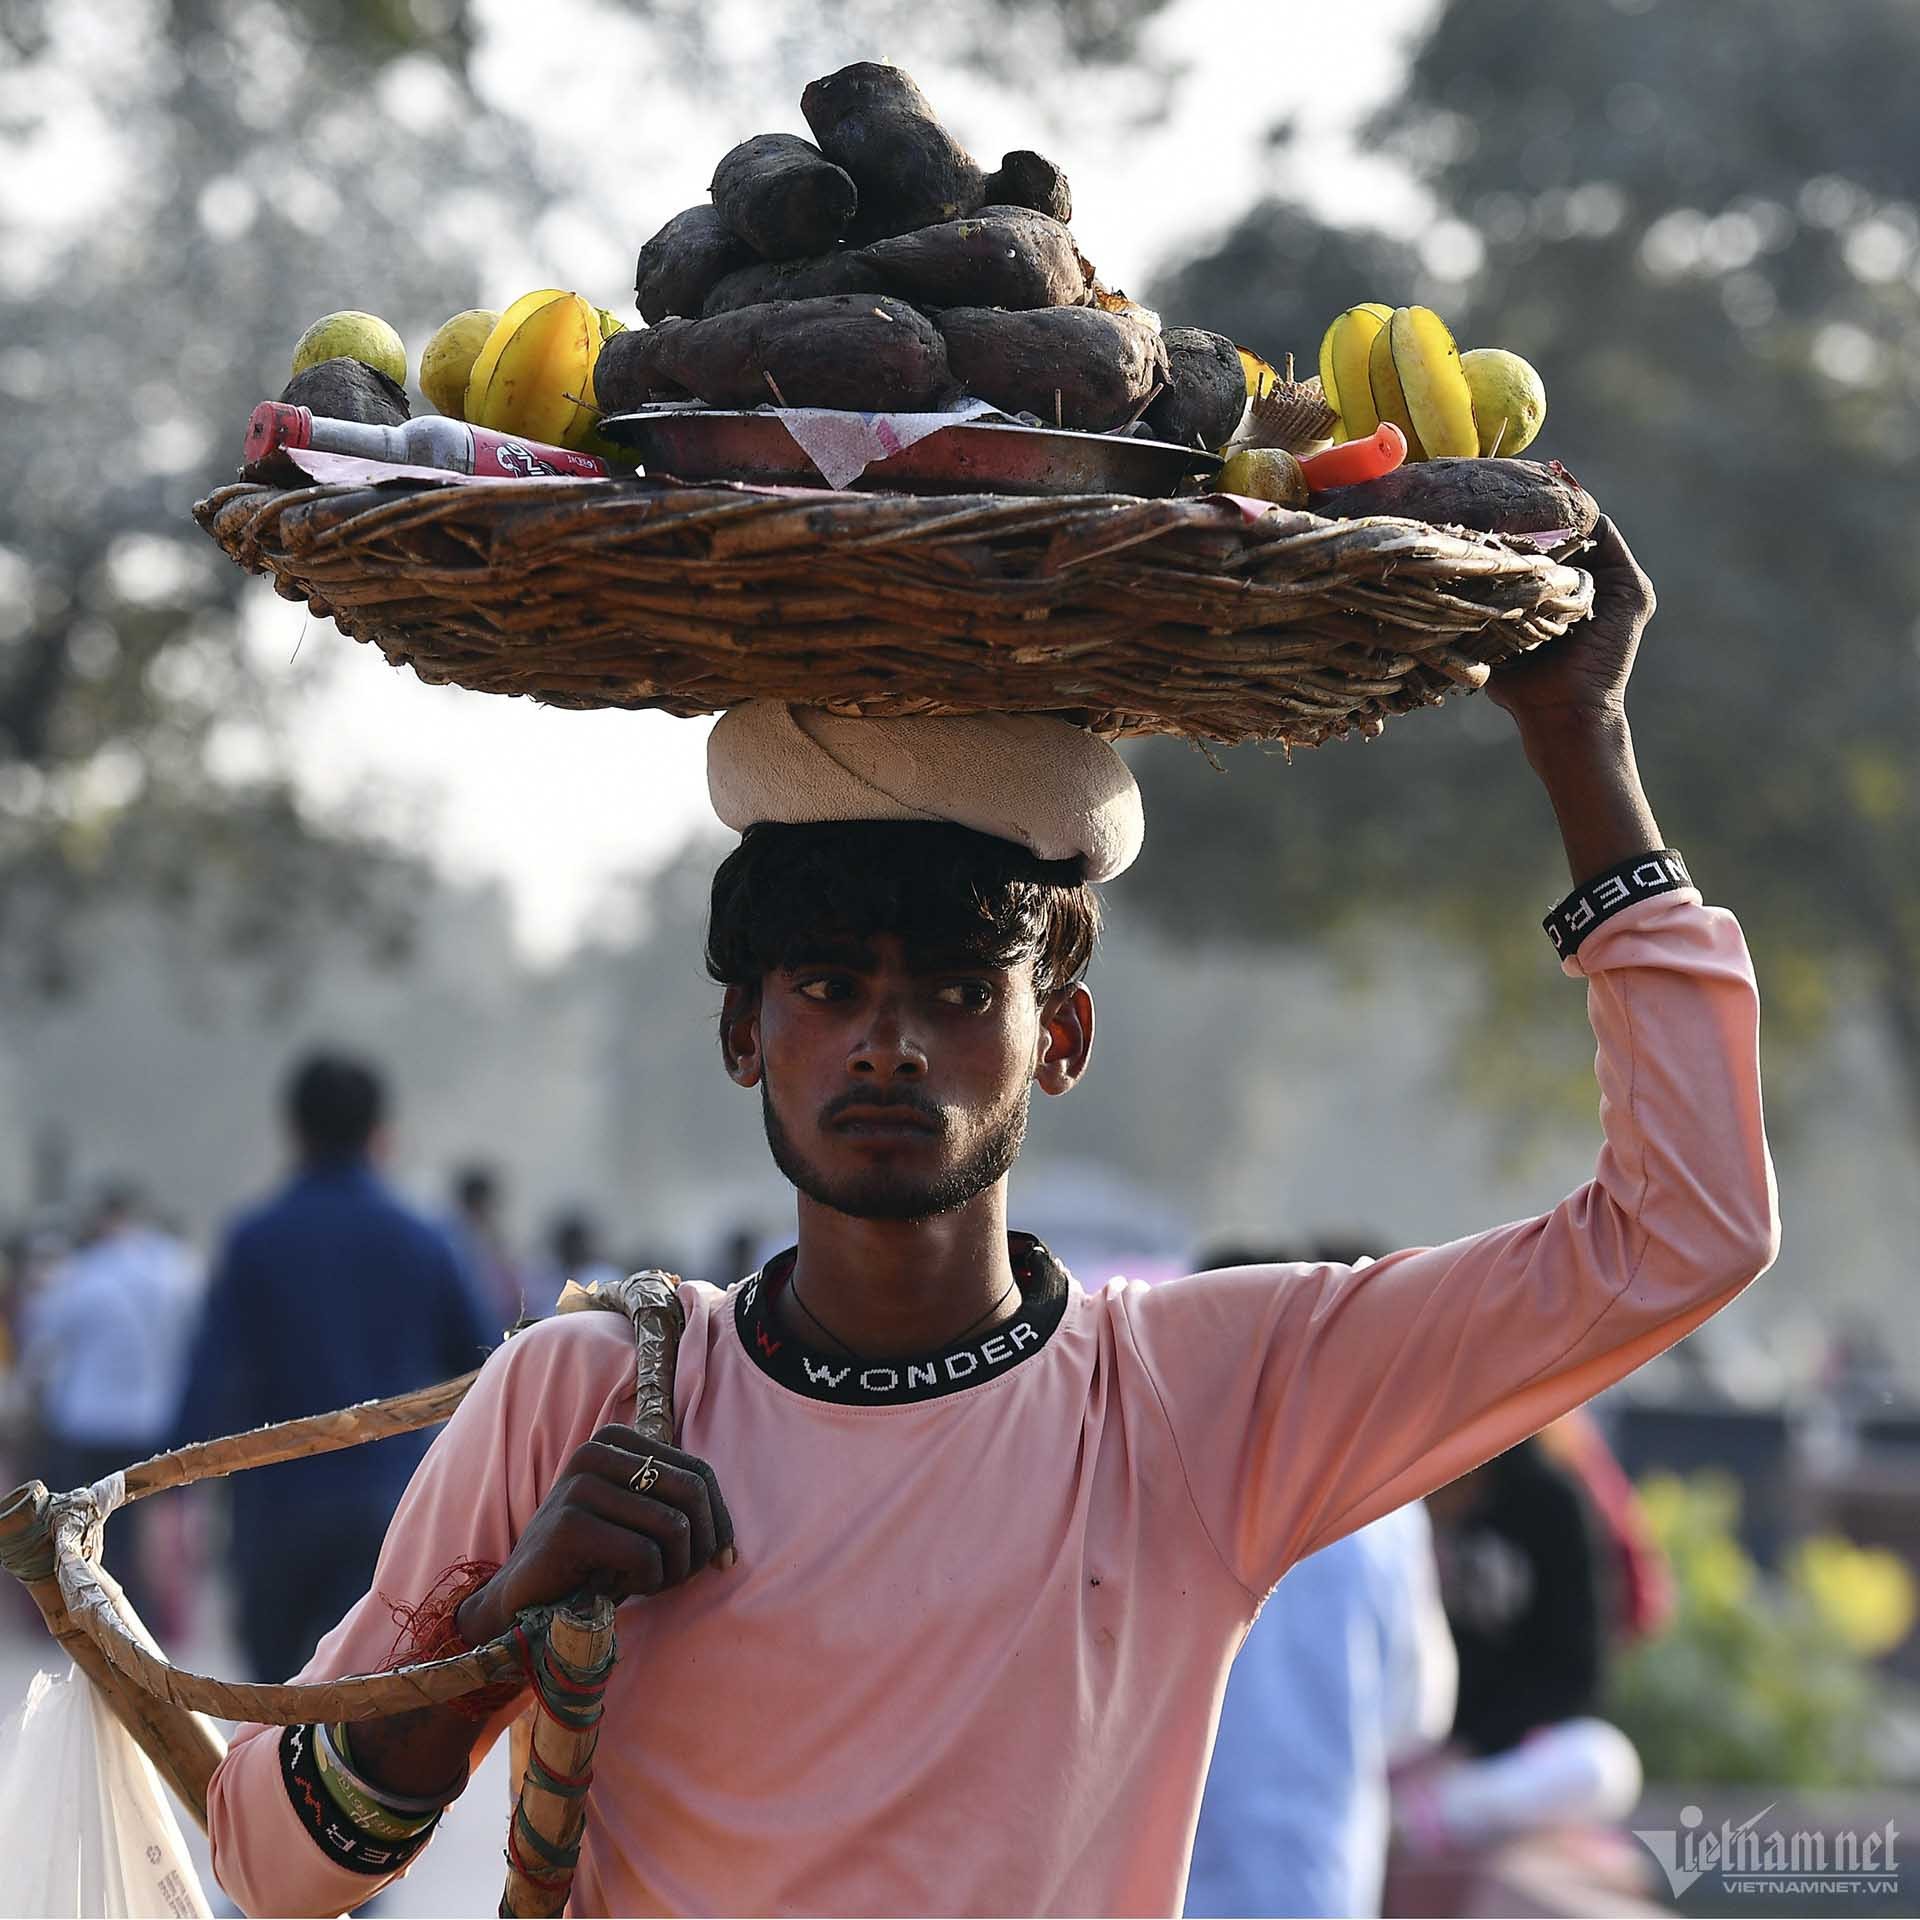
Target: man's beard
<point x="895" y="1193"/>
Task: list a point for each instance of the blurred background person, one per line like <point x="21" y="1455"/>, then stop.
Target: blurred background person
<point x="103" y="1355"/>
<point x="1348" y="1670"/>
<point x="476" y="1226"/>
<point x="331" y="1292"/>
<point x="1529" y="1596"/>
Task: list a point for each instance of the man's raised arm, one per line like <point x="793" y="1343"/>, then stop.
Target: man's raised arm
<point x="1304" y="1401"/>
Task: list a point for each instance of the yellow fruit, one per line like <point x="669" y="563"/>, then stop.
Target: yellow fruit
<point x="447" y="359"/>
<point x="1427" y="364"/>
<point x="1383" y="383"/>
<point x="534" y="375"/>
<point x="1343" y="367"/>
<point x="610" y="323"/>
<point x="1509" y="399"/>
<point x="1264" y="473"/>
<point x="487" y="361"/>
<point x="1261" y="377"/>
<point x="352" y="335"/>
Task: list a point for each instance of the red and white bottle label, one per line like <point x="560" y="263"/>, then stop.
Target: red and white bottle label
<point x="501" y="453"/>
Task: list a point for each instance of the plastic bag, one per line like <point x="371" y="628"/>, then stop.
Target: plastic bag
<point x="85" y="1828"/>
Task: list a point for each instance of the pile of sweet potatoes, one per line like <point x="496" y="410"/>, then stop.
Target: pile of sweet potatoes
<point x="877" y="267"/>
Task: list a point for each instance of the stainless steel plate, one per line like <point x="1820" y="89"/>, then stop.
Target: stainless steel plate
<point x="972" y="456"/>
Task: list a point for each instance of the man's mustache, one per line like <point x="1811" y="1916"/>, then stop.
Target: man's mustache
<point x="898" y="1102"/>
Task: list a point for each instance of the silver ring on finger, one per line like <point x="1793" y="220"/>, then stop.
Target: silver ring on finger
<point x="646" y="1476"/>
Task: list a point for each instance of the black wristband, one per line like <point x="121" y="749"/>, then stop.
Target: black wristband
<point x="345" y="1844"/>
<point x="1599" y="899"/>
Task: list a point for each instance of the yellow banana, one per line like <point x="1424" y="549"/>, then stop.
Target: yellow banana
<point x="1343" y="367"/>
<point x="1427" y="365"/>
<point x="534" y="375"/>
<point x="1389" y="402"/>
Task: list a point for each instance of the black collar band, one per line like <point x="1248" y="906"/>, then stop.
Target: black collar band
<point x="968" y="1362"/>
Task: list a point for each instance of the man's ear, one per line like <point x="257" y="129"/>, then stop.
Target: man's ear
<point x="1066" y="1039"/>
<point x="740" y="1035"/>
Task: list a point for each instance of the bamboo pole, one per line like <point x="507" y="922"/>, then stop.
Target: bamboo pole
<point x="298" y="1439"/>
<point x="548" y="1823"/>
<point x="184" y="1747"/>
<point x="519" y="1747"/>
<point x="52" y="1543"/>
<point x="580" y="1636"/>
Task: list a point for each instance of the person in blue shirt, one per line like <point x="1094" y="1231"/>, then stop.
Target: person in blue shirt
<point x="331" y="1292"/>
<point x="1348" y="1669"/>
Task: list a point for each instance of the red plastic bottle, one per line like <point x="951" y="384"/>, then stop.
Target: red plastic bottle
<point x="432" y="442"/>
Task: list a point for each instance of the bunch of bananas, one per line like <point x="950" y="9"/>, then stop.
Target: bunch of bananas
<point x="1400" y="364"/>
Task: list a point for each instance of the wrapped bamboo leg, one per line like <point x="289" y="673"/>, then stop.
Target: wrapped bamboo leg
<point x="184" y="1747"/>
<point x="574" y="1658"/>
<point x="572" y="1664"/>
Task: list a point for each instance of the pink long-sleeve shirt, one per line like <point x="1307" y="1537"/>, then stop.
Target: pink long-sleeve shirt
<point x="971" y="1657"/>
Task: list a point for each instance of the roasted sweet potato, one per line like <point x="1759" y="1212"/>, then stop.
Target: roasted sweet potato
<point x="852" y="350"/>
<point x="628" y="373"/>
<point x="683" y="261"/>
<point x="841" y="271"/>
<point x="783" y="196"/>
<point x="1206" y="389"/>
<point x="1028" y="179"/>
<point x="349" y="390"/>
<point x="875" y="122"/>
<point x="998" y="257"/>
<point x="1098" y="366"/>
<point x="1491" y="496"/>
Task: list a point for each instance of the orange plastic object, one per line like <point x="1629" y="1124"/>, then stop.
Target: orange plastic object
<point x="1356" y="460"/>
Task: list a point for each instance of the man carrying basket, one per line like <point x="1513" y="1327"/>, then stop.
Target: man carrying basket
<point x="935" y="1598"/>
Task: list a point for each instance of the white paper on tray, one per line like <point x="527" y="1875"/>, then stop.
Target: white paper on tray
<point x="842" y="446"/>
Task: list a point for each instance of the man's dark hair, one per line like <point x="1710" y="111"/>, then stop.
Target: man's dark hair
<point x="786" y="892"/>
<point x="334" y="1104"/>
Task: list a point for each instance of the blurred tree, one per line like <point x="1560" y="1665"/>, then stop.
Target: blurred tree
<point x="1699" y="221"/>
<point x="184" y="185"/>
<point x="182" y="188"/>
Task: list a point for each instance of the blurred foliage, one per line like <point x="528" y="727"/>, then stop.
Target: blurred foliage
<point x="1698" y="220"/>
<point x="1759" y="1680"/>
<point x="236" y="169"/>
<point x="184" y="185"/>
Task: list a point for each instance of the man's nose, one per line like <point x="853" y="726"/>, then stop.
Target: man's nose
<point x="888" y="1048"/>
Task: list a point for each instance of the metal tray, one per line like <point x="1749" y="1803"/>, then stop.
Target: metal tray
<point x="971" y="456"/>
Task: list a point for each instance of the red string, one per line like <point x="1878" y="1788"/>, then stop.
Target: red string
<point x="429" y="1631"/>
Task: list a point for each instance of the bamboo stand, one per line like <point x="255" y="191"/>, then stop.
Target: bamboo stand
<point x="550" y="1816"/>
<point x="51" y="1544"/>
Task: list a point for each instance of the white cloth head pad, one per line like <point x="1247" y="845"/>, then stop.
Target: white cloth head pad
<point x="1051" y="787"/>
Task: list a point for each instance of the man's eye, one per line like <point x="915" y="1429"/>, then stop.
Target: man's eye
<point x="823" y="986"/>
<point x="975" y="995"/>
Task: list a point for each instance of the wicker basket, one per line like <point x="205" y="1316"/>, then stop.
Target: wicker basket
<point x="1132" y="616"/>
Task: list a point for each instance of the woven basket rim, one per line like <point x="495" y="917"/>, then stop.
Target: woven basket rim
<point x="1177" y="615"/>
